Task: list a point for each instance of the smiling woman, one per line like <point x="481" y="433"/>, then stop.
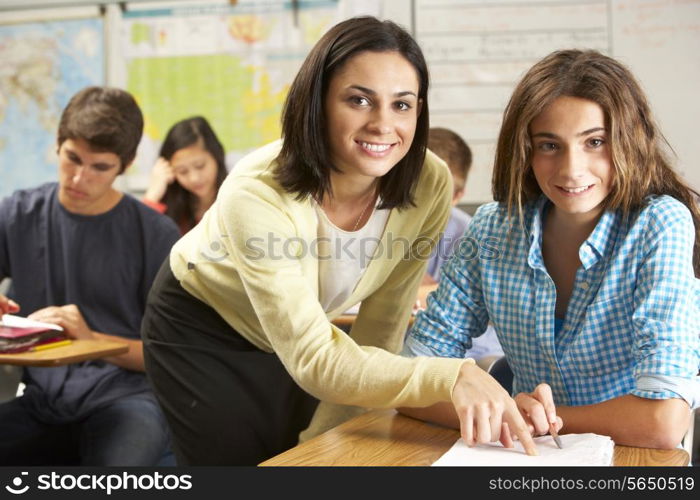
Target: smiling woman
<point x="371" y="109"/>
<point x="240" y="349"/>
<point x="371" y="115"/>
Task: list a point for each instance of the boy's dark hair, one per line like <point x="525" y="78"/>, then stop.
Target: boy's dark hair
<point x="304" y="163"/>
<point x="107" y="118"/>
<point x="185" y="133"/>
<point x="454" y="151"/>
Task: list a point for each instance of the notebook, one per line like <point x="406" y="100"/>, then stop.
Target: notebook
<point x="579" y="450"/>
<point x="18" y="334"/>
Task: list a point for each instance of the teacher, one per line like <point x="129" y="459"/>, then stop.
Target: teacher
<point x="346" y="208"/>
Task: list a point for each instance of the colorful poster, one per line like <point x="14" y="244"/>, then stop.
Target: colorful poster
<point x="231" y="64"/>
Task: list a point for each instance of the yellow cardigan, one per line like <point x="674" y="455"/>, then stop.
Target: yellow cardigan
<point x="249" y="259"/>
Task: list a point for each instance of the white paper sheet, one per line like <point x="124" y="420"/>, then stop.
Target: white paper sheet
<point x="12" y="321"/>
<point x="579" y="450"/>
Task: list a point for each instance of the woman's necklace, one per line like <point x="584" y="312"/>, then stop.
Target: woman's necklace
<point x="357" y="222"/>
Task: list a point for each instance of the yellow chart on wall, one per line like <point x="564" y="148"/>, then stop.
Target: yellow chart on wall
<point x="231" y="64"/>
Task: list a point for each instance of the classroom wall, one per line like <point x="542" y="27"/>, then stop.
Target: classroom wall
<point x="477" y="51"/>
<point x="241" y="82"/>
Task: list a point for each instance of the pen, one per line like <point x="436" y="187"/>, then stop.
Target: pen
<point x="51" y="345"/>
<point x="555" y="436"/>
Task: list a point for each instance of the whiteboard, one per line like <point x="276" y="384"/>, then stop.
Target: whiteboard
<point x="478" y="50"/>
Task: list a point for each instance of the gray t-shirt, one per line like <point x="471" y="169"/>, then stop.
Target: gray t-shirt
<point x="104" y="264"/>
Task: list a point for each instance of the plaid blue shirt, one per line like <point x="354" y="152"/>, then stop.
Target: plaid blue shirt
<point x="632" y="324"/>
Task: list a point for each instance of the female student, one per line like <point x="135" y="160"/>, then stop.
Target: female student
<point x="343" y="209"/>
<point x="592" y="255"/>
<point x="188" y="174"/>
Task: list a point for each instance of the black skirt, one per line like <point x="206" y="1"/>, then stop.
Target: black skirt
<point x="227" y="402"/>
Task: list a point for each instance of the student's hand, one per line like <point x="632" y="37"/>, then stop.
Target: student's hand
<point x="69" y="317"/>
<point x="162" y="175"/>
<point x="8" y="306"/>
<point x="538" y="410"/>
<point x="486" y="412"/>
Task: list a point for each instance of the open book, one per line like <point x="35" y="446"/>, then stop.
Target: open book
<point x="579" y="450"/>
<point x="18" y="334"/>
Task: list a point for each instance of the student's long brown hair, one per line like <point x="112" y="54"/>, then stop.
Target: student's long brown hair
<point x="640" y="153"/>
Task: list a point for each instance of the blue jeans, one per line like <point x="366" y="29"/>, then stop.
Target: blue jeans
<point x="131" y="431"/>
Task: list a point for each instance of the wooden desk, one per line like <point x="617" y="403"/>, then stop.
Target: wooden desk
<point x="386" y="438"/>
<point x="78" y="350"/>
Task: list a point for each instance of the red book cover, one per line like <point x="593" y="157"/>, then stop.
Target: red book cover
<point x="19" y="334"/>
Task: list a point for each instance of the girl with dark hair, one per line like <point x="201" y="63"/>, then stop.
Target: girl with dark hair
<point x="591" y="278"/>
<point x="345" y="208"/>
<point x="188" y="173"/>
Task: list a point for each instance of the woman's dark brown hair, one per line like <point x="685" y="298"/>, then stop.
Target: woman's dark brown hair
<point x="304" y="163"/>
<point x="640" y="153"/>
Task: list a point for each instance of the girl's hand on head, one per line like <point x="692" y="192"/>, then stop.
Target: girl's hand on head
<point x="8" y="306"/>
<point x="538" y="410"/>
<point x="486" y="412"/>
<point x="162" y="176"/>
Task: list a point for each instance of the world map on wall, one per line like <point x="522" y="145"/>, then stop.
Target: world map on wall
<point x="232" y="65"/>
<point x="43" y="65"/>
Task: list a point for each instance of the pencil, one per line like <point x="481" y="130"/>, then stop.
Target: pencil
<point x="51" y="345"/>
<point x="555" y="435"/>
